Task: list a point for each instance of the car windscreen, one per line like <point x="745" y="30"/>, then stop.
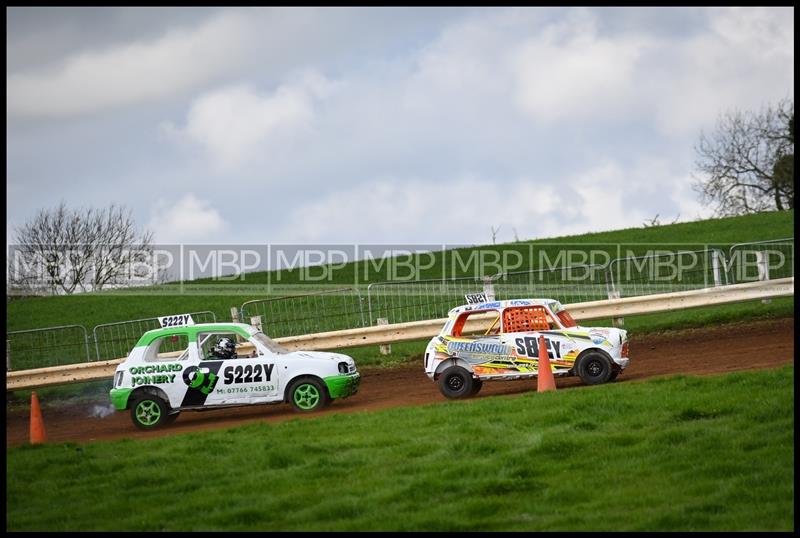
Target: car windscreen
<point x="270" y="344"/>
<point x="566" y="319"/>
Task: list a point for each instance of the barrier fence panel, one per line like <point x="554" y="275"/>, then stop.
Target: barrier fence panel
<point x="573" y="284"/>
<point x="664" y="272"/>
<point x="420" y="299"/>
<point x="115" y="340"/>
<point x="308" y="313"/>
<point x="761" y="260"/>
<point x="51" y="346"/>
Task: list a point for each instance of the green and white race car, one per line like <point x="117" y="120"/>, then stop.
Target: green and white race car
<point x="213" y="365"/>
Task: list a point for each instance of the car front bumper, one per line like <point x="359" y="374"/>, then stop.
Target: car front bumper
<point x="342" y="386"/>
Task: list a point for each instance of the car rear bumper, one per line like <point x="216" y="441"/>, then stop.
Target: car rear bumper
<point x="119" y="397"/>
<point x="342" y="386"/>
<point x="622" y="363"/>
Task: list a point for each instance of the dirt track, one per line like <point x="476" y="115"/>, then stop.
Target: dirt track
<point x="714" y="350"/>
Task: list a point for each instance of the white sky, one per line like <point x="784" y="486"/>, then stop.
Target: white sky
<point x="378" y="125"/>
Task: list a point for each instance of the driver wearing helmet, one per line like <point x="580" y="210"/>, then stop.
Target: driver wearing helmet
<point x="224" y="349"/>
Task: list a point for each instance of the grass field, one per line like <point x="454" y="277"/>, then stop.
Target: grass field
<point x="106" y="307"/>
<point x="709" y="453"/>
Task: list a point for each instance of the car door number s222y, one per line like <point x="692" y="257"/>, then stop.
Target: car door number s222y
<point x="247" y="374"/>
<point x="243" y="379"/>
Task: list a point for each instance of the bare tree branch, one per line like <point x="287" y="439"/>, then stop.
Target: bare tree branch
<point x="652" y="222"/>
<point x="61" y="250"/>
<point x="494" y="233"/>
<point x="737" y="163"/>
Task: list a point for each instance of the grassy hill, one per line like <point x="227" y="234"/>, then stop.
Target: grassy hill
<point x="91" y="309"/>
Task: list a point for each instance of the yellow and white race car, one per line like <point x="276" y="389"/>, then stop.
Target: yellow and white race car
<point x="500" y="340"/>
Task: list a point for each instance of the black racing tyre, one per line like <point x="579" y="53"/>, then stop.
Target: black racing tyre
<point x="476" y="386"/>
<point x="594" y="368"/>
<point x="308" y="394"/>
<point x="149" y="412"/>
<point x="456" y="383"/>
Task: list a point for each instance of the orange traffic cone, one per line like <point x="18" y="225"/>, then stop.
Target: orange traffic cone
<point x="545" y="381"/>
<point x="37" y="424"/>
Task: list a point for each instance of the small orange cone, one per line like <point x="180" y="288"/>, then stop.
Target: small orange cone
<point x="545" y="381"/>
<point x="37" y="424"/>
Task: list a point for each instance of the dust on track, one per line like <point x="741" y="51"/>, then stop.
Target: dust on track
<point x="703" y="351"/>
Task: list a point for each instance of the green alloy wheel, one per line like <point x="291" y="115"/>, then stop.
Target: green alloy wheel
<point x="307" y="394"/>
<point x="149" y="412"/>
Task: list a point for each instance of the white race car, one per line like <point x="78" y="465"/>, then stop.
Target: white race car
<point x="201" y="366"/>
<point x="500" y="340"/>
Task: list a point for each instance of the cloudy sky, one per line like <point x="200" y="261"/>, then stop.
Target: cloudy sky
<point x="378" y="125"/>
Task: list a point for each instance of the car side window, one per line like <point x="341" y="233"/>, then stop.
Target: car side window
<point x="168" y="348"/>
<point x="476" y="324"/>
<point x="218" y="346"/>
<point x="526" y="318"/>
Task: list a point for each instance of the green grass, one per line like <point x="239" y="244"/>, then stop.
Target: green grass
<point x="107" y="307"/>
<point x="782" y="307"/>
<point x="675" y="453"/>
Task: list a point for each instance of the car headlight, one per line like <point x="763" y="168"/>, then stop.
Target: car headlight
<point x="343" y="368"/>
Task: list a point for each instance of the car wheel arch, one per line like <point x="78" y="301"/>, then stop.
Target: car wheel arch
<point x="602" y="375"/>
<point x="588" y="351"/>
<point x="452" y="361"/>
<point x="148" y="390"/>
<point x="286" y="395"/>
